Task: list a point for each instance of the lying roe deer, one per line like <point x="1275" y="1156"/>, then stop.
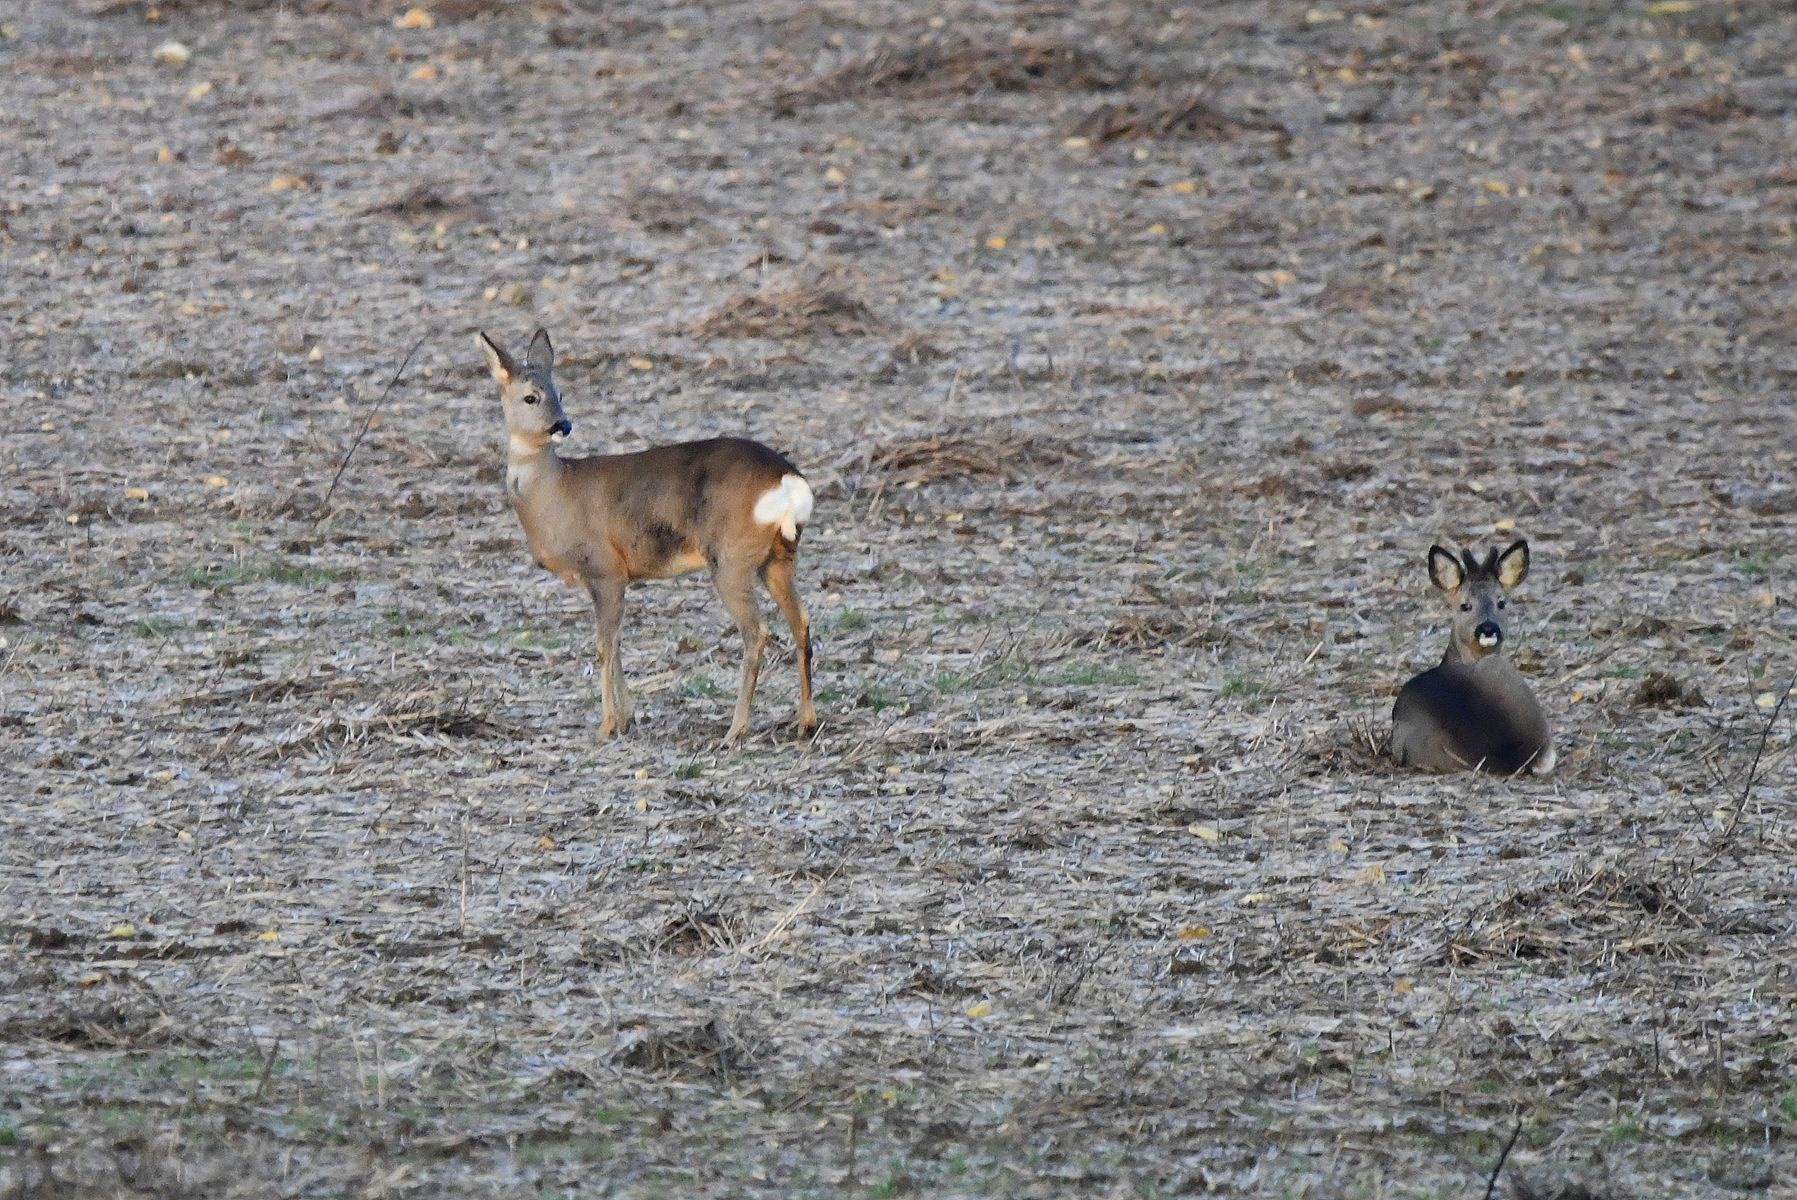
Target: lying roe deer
<point x="727" y="504"/>
<point x="1475" y="710"/>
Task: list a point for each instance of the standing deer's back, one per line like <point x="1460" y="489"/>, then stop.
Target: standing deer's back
<point x="1474" y="711"/>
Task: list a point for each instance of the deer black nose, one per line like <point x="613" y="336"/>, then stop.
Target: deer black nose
<point x="563" y="427"/>
<point x="1488" y="634"/>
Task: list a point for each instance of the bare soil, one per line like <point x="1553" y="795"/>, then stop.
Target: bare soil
<point x="1136" y="352"/>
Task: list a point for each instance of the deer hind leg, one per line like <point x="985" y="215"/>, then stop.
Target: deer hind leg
<point x="778" y="576"/>
<point x="735" y="585"/>
<point x="608" y="615"/>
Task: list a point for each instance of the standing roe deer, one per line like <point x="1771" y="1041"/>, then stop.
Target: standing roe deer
<point x="1475" y="710"/>
<point x="727" y="504"/>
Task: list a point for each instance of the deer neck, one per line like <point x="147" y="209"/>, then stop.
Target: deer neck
<point x="1457" y="656"/>
<point x="530" y="465"/>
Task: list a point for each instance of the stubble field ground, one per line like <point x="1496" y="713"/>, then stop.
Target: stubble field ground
<point x="1136" y="353"/>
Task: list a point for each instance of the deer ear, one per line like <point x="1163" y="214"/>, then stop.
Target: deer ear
<point x="541" y="355"/>
<point x="1513" y="565"/>
<point x="498" y="361"/>
<point x="1445" y="571"/>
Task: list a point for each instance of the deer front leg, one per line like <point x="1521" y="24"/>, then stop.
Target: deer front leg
<point x="736" y="588"/>
<point x="608" y="614"/>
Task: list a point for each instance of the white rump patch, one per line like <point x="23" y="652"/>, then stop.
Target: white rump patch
<point x="788" y="505"/>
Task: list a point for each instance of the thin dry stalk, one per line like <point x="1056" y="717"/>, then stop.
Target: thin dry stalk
<point x="1733" y="826"/>
<point x="324" y="505"/>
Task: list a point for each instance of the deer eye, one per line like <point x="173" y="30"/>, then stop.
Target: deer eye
<point x="531" y="397"/>
<point x="1466" y="607"/>
<point x="1502" y="603"/>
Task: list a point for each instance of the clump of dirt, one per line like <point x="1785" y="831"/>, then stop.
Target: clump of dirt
<point x="427" y="200"/>
<point x="663" y="210"/>
<point x="1661" y="689"/>
<point x="1368" y="406"/>
<point x="1167" y="116"/>
<point x="796" y="312"/>
<point x="950" y="66"/>
<point x="708" y="1050"/>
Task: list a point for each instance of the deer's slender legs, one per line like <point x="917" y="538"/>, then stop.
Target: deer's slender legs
<point x="735" y="585"/>
<point x="608" y="614"/>
<point x="779" y="579"/>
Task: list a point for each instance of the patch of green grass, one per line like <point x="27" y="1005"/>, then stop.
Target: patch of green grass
<point x="219" y="579"/>
<point x="878" y="698"/>
<point x="314" y="1124"/>
<point x="1488" y="1087"/>
<point x="576" y="1148"/>
<point x="284" y="572"/>
<point x="952" y="681"/>
<point x="416" y="627"/>
<point x="1252" y="695"/>
<point x="1751" y="568"/>
<point x="689" y="770"/>
<point x="606" y="1114"/>
<point x="542" y="641"/>
<point x="1787" y="1104"/>
<point x="1626" y="1129"/>
<point x="850" y="618"/>
<point x="155" y="627"/>
<point x="118" y="1118"/>
<point x="9" y="1134"/>
<point x="1096" y="675"/>
<point x="895" y="1182"/>
<point x="225" y="577"/>
<point x="183" y="1068"/>
<point x="697" y="687"/>
<point x="1562" y="13"/>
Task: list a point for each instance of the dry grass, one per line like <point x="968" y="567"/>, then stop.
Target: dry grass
<point x="948" y="456"/>
<point x="940" y="66"/>
<point x="790" y="313"/>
